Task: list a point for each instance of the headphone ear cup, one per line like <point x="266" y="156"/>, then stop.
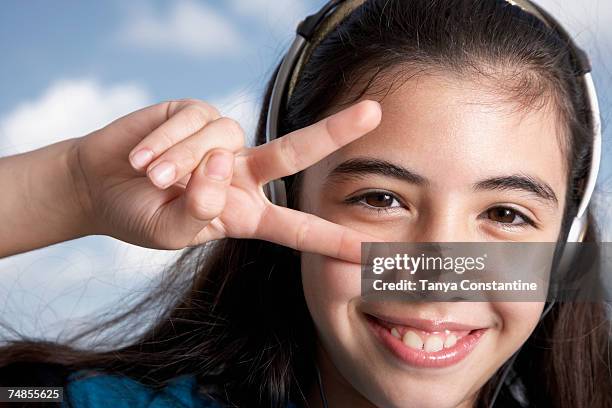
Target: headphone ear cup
<point x="571" y="248"/>
<point x="568" y="251"/>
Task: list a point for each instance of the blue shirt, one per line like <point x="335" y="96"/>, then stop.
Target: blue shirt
<point x="85" y="389"/>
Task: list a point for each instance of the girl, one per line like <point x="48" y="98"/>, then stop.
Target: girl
<point x="415" y="120"/>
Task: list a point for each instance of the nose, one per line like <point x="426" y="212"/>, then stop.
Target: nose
<point x="443" y="223"/>
<point x="451" y="222"/>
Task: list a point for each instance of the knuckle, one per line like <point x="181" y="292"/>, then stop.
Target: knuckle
<point x="302" y="234"/>
<point x="179" y="104"/>
<point x="289" y="154"/>
<point x="187" y="158"/>
<point x="234" y="130"/>
<point x="196" y="116"/>
<point x="332" y="132"/>
<point x="172" y="107"/>
<point x="166" y="140"/>
<point x="188" y="101"/>
<point x="255" y="166"/>
<point x="210" y="109"/>
<point x="263" y="217"/>
<point x="343" y="243"/>
<point x="213" y="109"/>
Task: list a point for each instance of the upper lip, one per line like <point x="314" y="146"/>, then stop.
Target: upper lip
<point x="428" y="325"/>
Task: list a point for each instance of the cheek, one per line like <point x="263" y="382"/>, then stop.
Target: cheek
<point x="331" y="287"/>
<point x="328" y="281"/>
<point x="519" y="320"/>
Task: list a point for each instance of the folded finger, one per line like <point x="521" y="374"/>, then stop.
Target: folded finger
<point x="182" y="158"/>
<point x="184" y="118"/>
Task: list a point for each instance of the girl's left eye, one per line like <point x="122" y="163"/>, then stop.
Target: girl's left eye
<point x="508" y="216"/>
<point x="375" y="201"/>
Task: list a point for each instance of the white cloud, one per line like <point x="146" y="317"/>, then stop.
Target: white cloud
<point x="279" y="16"/>
<point x="189" y="27"/>
<point x="71" y="108"/>
<point x="68" y="108"/>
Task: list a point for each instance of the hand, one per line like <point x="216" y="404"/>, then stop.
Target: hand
<point x="190" y="179"/>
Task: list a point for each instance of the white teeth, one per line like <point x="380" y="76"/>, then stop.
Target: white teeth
<point x="434" y="343"/>
<point x="413" y="340"/>
<point x="450" y="341"/>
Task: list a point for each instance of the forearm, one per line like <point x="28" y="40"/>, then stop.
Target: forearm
<point x="41" y="201"/>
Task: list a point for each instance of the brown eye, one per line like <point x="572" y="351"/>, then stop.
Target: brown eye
<point x="505" y="215"/>
<point x="379" y="199"/>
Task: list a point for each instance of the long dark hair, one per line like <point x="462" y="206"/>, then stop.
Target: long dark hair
<point x="232" y="312"/>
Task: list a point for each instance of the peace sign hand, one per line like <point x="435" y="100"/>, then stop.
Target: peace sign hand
<point x="203" y="184"/>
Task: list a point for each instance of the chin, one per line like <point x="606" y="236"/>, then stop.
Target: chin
<point x="402" y="354"/>
<point x="387" y="381"/>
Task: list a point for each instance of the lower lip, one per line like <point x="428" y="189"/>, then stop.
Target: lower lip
<point x="421" y="358"/>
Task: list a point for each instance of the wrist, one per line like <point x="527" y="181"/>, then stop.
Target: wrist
<point x="79" y="197"/>
<point x="43" y="199"/>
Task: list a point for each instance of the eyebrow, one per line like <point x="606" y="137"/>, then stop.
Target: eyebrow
<point x="360" y="167"/>
<point x="520" y="182"/>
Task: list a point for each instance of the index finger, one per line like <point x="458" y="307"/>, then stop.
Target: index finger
<point x="308" y="233"/>
<point x="304" y="147"/>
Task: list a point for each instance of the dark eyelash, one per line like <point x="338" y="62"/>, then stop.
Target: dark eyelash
<point x="356" y="200"/>
<point x="527" y="219"/>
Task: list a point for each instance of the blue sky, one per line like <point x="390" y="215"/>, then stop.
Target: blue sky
<point x="173" y="49"/>
<point x="69" y="67"/>
<point x="126" y="54"/>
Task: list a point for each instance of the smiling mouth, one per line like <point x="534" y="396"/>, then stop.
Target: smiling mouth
<point x="426" y="344"/>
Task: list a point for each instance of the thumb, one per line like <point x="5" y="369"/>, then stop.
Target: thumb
<point x="205" y="195"/>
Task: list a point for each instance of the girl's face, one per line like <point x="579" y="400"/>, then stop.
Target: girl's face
<point x="470" y="166"/>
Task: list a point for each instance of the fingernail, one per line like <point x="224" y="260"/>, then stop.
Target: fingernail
<point x="163" y="174"/>
<point x="219" y="165"/>
<point x="141" y="158"/>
